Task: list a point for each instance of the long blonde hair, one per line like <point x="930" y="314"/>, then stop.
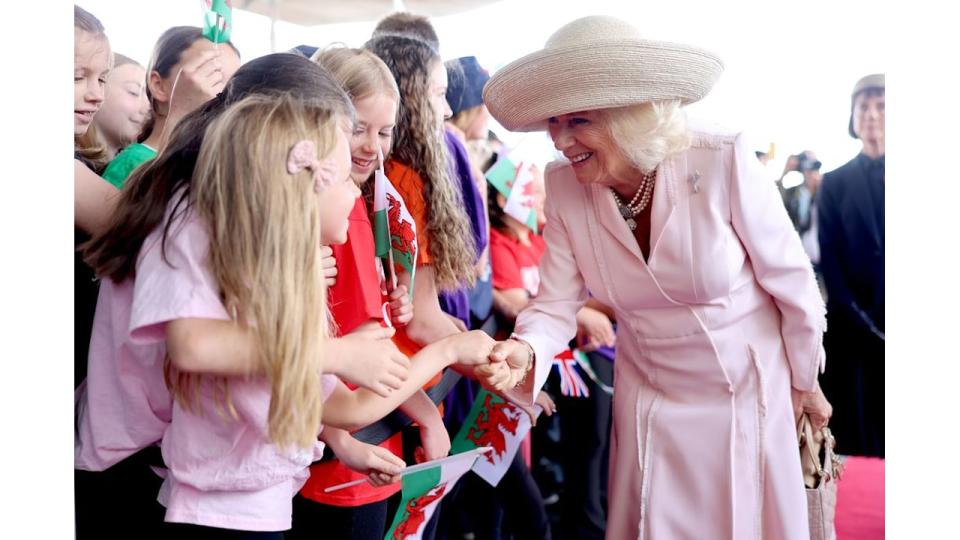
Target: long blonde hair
<point x="264" y="237"/>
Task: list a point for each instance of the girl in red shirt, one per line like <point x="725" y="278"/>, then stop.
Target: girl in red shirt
<point x="356" y="301"/>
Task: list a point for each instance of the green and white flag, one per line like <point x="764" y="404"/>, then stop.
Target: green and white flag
<point x="218" y="20"/>
<point x="422" y="490"/>
<point x="394" y="230"/>
<point x="515" y="182"/>
<point x="496" y="423"/>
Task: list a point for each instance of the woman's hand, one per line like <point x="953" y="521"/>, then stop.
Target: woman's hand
<point x="329" y="264"/>
<point x="594" y="330"/>
<point x="814" y="403"/>
<point x="435" y="440"/>
<point x="379" y="464"/>
<point x="401" y="309"/>
<point x="199" y="81"/>
<point x="508" y="364"/>
<point x="369" y="359"/>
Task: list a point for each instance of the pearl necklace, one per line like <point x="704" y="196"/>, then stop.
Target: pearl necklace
<point x="644" y="194"/>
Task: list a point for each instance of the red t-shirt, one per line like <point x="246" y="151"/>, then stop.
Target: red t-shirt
<point x="353" y="300"/>
<point x="514" y="265"/>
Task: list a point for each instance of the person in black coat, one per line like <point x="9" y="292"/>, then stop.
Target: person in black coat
<point x="850" y="209"/>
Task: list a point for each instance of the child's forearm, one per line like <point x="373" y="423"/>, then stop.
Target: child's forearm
<point x="333" y="436"/>
<point x="421" y="409"/>
<point x="353" y="410"/>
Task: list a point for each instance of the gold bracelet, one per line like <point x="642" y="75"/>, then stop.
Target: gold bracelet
<point x="530" y="356"/>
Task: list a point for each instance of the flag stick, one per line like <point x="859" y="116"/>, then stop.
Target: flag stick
<point x="418" y="467"/>
<point x="413" y="272"/>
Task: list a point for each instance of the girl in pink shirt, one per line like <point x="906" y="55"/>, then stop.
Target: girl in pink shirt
<point x="268" y="188"/>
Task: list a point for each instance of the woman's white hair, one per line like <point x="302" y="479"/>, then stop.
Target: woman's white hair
<point x="648" y="133"/>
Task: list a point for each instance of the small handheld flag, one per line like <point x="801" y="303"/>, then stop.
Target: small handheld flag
<point x="495" y="423"/>
<point x="394" y="229"/>
<point x="422" y="491"/>
<point x="571" y="383"/>
<point x="515" y="182"/>
<point x="218" y="20"/>
<point x="418" y="467"/>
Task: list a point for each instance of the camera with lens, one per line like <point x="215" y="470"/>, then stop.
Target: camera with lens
<point x="806" y="163"/>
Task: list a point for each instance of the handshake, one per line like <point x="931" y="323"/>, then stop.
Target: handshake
<point x="370" y="359"/>
<point x="497" y="365"/>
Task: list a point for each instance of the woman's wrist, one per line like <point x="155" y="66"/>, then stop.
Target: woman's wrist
<point x="531" y="355"/>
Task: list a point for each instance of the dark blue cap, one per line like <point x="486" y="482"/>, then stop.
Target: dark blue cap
<point x="306" y="50"/>
<point x="465" y="81"/>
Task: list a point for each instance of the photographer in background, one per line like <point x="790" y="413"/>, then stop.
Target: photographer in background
<point x="800" y="201"/>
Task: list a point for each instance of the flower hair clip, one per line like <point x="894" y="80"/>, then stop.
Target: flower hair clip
<point x="303" y="155"/>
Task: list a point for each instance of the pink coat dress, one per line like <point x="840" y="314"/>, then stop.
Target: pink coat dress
<point x="712" y="332"/>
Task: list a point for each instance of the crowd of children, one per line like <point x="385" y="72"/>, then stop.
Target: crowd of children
<point x="235" y="326"/>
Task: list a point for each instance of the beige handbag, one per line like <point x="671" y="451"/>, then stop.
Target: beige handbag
<point x="819" y="477"/>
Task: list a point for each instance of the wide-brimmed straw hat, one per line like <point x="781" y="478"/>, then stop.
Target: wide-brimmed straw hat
<point x="597" y="62"/>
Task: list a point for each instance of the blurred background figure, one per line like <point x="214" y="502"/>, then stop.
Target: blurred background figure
<point x="850" y="209"/>
<point x="800" y="200"/>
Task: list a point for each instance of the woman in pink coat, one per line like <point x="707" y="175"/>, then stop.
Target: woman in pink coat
<point x="674" y="225"/>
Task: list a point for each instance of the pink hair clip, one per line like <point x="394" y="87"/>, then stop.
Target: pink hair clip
<point x="303" y="155"/>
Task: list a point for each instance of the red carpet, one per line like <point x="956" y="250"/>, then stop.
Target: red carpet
<point x="860" y="500"/>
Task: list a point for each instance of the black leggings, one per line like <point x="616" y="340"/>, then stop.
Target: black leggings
<point x="120" y="502"/>
<point x="313" y="521"/>
<point x="188" y="531"/>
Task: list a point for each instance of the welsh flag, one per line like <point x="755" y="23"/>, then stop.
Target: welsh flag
<point x="394" y="230"/>
<point x="217" y="20"/>
<point x="515" y="182"/>
<point x="496" y="423"/>
<point x="422" y="491"/>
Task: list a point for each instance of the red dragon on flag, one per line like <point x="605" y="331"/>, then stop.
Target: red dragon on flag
<point x="415" y="516"/>
<point x="486" y="431"/>
<point x="402" y="235"/>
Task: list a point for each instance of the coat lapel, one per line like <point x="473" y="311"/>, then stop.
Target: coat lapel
<point x="605" y="208"/>
<point x="669" y="181"/>
<point x="664" y="203"/>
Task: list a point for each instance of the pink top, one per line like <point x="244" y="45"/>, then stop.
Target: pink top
<point x="224" y="471"/>
<point x="124" y="405"/>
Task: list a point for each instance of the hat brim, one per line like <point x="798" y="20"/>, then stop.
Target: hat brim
<point x="525" y="93"/>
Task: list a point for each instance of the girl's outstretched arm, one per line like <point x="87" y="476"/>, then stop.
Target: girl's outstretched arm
<point x="352" y="410"/>
<point x="223" y="347"/>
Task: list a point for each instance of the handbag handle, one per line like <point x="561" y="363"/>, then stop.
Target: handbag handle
<point x="830" y="467"/>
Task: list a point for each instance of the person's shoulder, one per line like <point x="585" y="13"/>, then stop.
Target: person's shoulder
<point x="403" y="177"/>
<point x="835" y="179"/>
<point x="711" y="135"/>
<point x="844" y="169"/>
<point x="559" y="173"/>
<point x="497" y="238"/>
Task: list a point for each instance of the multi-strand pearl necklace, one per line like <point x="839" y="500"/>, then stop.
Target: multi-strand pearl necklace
<point x="643" y="195"/>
